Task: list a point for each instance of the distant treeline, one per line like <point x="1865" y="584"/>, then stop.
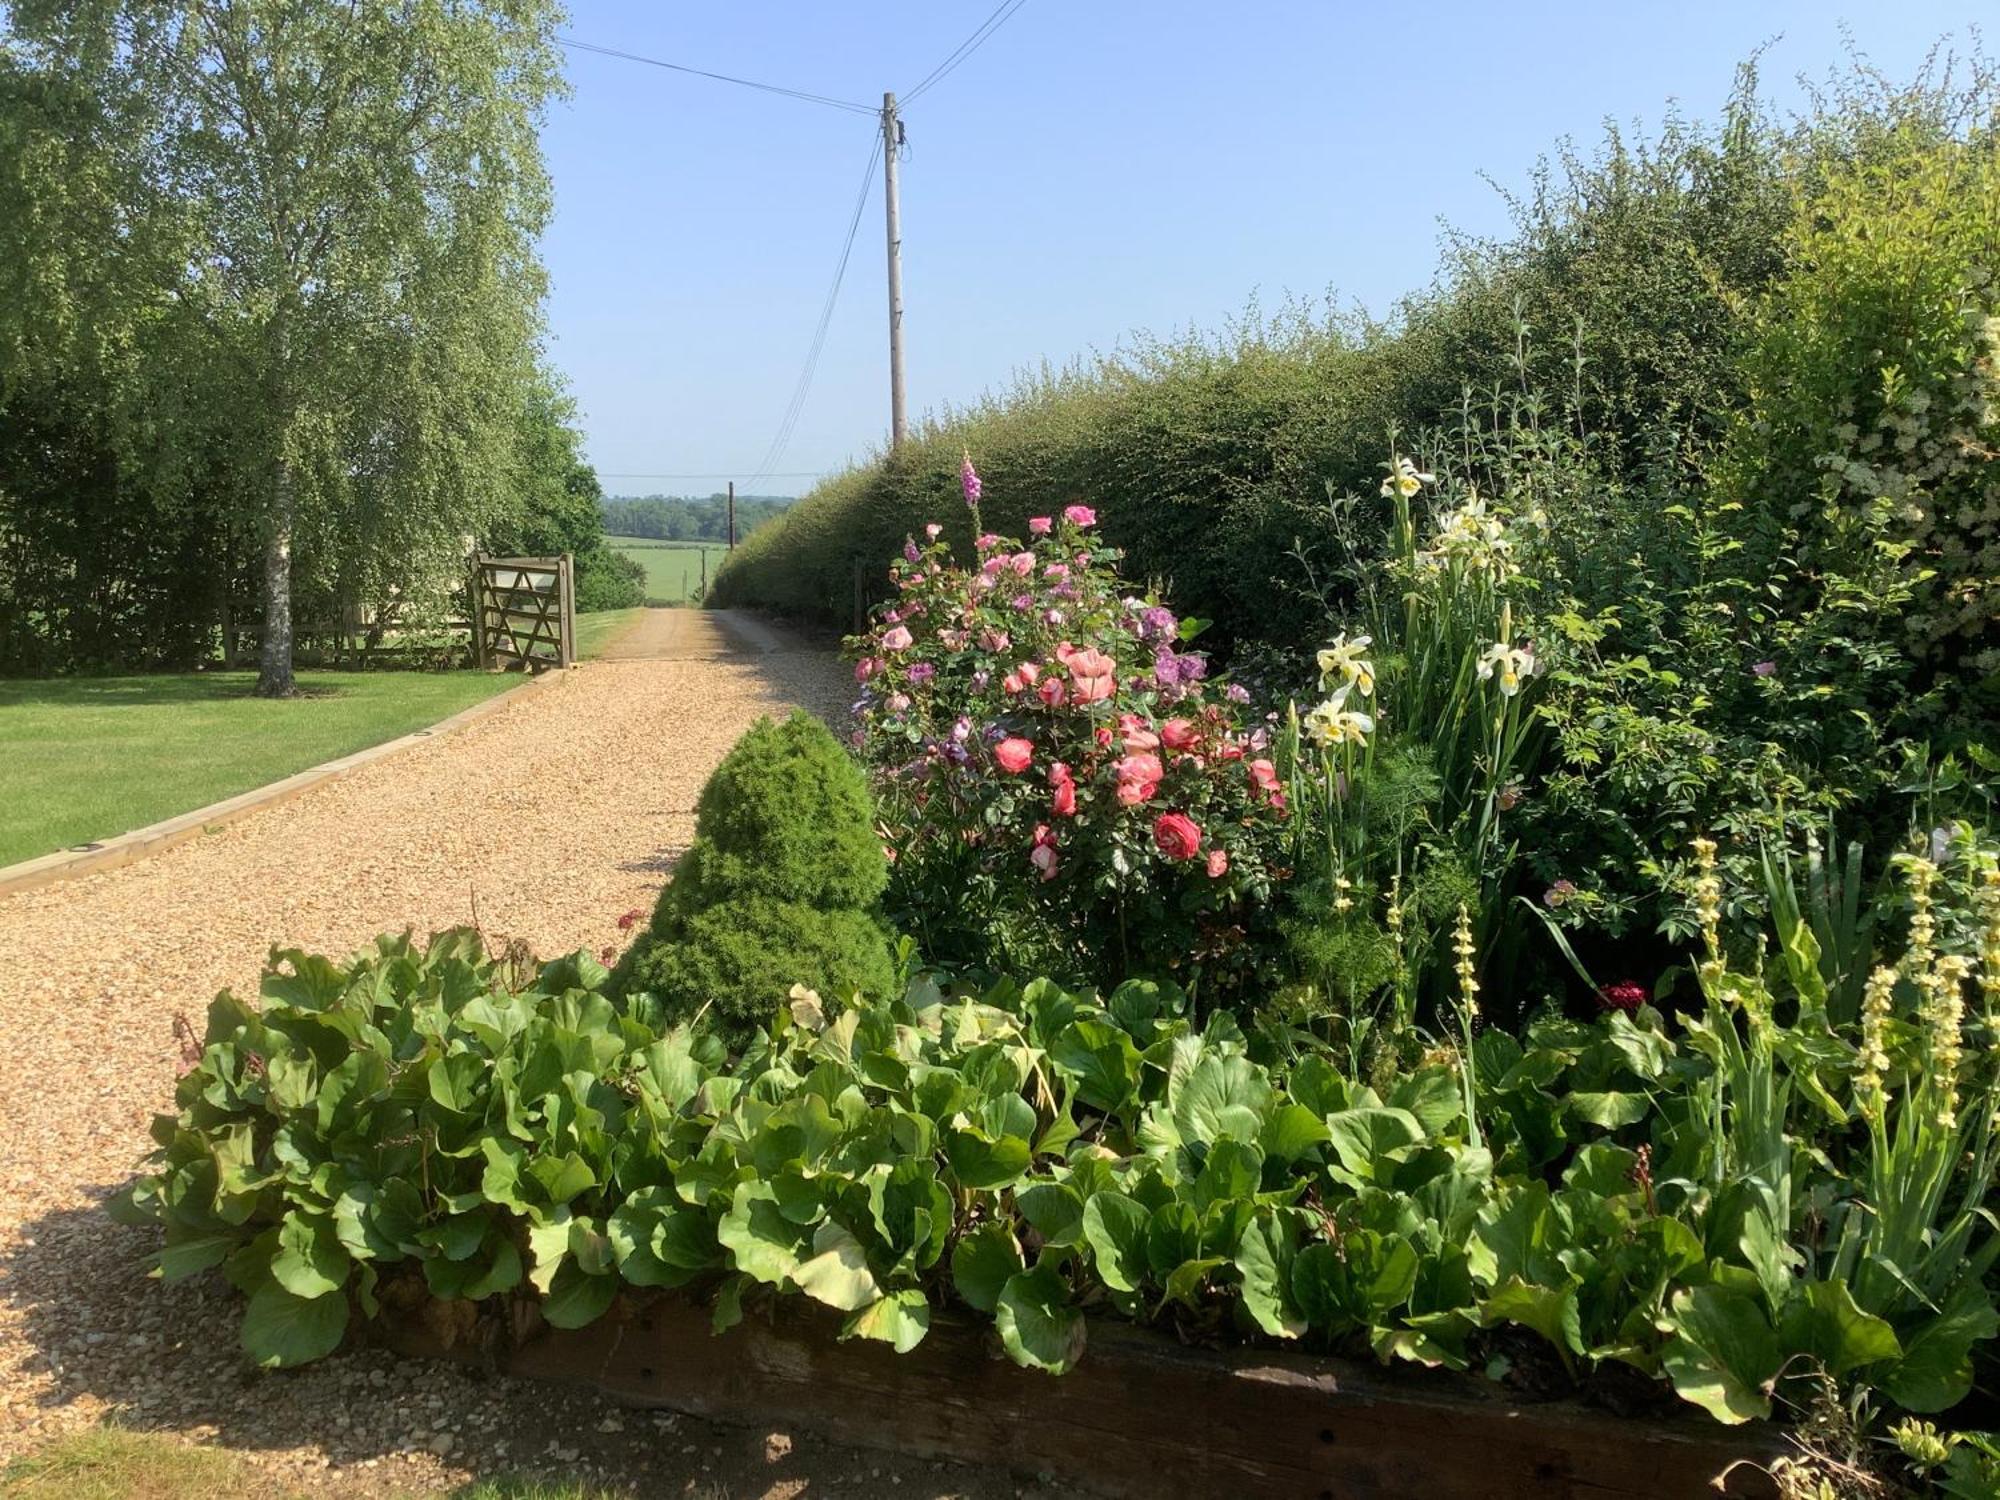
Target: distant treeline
<point x="689" y="518"/>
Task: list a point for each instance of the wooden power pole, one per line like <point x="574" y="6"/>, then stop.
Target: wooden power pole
<point x="892" y="140"/>
<point x="732" y="515"/>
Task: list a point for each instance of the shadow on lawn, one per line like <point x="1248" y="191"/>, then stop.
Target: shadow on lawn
<point x="166" y="1358"/>
<point x="151" y="690"/>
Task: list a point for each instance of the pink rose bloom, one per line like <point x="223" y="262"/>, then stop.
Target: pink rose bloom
<point x="1264" y="776"/>
<point x="1178" y="734"/>
<point x="897" y="639"/>
<point x="1138" y="777"/>
<point x="1132" y="729"/>
<point x="1014" y="754"/>
<point x="1091" y="674"/>
<point x="1040" y="525"/>
<point x="933" y="531"/>
<point x="995" y="640"/>
<point x="1177" y="835"/>
<point x="1043" y="855"/>
<point x="954" y="640"/>
<point x="1052" y="691"/>
<point x="898" y="702"/>
<point x="1218" y="863"/>
<point x="1064" y="801"/>
<point x="1011" y="683"/>
<point x="1079" y="515"/>
<point x="1022" y="563"/>
<point x="1030" y="672"/>
<point x="987" y="541"/>
<point x="867" y="667"/>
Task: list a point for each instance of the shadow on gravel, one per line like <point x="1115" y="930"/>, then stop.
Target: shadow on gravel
<point x="106" y="1341"/>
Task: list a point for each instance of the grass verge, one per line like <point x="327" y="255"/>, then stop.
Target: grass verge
<point x="109" y="1463"/>
<point x="600" y="628"/>
<point x="85" y="758"/>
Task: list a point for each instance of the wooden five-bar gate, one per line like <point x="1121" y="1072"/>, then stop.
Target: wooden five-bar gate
<point x="523" y="611"/>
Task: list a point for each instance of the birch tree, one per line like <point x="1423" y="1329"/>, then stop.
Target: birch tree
<point x="330" y="209"/>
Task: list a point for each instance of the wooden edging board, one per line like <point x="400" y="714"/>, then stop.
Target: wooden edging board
<point x="1139" y="1416"/>
<point x="109" y="854"/>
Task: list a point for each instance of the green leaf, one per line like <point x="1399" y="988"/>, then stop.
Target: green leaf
<point x="576" y="1297"/>
<point x="981" y="1161"/>
<point x="1038" y="1326"/>
<point x="901" y="1319"/>
<point x="1054" y="1209"/>
<point x="837" y="1274"/>
<point x="310" y="1260"/>
<point x="1222" y="1098"/>
<point x="983" y="1262"/>
<point x="761" y="1240"/>
<point x="281" y="1330"/>
<point x="1607" y="1111"/>
<point x="1827" y="1324"/>
<point x="1366" y="1140"/>
<point x="1114" y="1226"/>
<point x="1722" y="1353"/>
<point x="1102" y="1062"/>
<point x="189" y="1251"/>
<point x="1291" y="1132"/>
<point x="1935" y="1372"/>
<point x="1264" y="1258"/>
<point x="1550" y="1311"/>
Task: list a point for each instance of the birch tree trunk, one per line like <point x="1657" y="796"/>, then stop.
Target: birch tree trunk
<point x="274" y="665"/>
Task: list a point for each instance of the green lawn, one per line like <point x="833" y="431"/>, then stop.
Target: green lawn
<point x="85" y="758"/>
<point x="673" y="569"/>
<point x="596" y="630"/>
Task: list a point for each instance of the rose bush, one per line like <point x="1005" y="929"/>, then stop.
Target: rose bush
<point x="1059" y="781"/>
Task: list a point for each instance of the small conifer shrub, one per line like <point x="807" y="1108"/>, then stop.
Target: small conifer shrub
<point x="779" y="887"/>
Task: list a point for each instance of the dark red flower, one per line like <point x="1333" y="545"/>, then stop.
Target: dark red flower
<point x="1626" y="995"/>
<point x="625" y="922"/>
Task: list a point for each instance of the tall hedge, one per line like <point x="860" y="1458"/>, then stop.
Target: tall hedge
<point x="1623" y="285"/>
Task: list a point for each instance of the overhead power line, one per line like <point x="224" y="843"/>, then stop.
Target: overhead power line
<point x="790" y="421"/>
<point x="1002" y="14"/>
<point x="748" y="83"/>
<point x="723" y="474"/>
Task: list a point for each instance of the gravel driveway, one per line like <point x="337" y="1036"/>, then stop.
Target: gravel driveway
<point x="554" y="815"/>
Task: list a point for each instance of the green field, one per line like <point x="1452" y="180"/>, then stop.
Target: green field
<point x="84" y="758"/>
<point x="673" y="569"/>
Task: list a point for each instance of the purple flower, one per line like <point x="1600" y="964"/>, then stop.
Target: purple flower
<point x="1764" y="668"/>
<point x="922" y="671"/>
<point x="1052" y="616"/>
<point x="968" y="479"/>
<point x="1236" y="692"/>
<point x="910" y="551"/>
<point x="1559" y="893"/>
<point x="1022" y="602"/>
<point x="1157" y="623"/>
<point x="960" y="730"/>
<point x="981" y="678"/>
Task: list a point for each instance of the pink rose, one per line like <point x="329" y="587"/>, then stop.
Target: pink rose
<point x="933" y="531"/>
<point x="1011" y="683"/>
<point x="1177" y="835"/>
<point x="1264" y="776"/>
<point x="1091" y="674"/>
<point x="1178" y="734"/>
<point x="1043" y="855"/>
<point x="1218" y="863"/>
<point x="1132" y="729"/>
<point x="1079" y="515"/>
<point x="1022" y="563"/>
<point x="1014" y="754"/>
<point x="1052" y="691"/>
<point x="1138" y="777"/>
<point x="1040" y="525"/>
<point x="896" y="639"/>
<point x="995" y="640"/>
<point x="1064" y="802"/>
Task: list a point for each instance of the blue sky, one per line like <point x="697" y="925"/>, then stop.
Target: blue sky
<point x="1098" y="166"/>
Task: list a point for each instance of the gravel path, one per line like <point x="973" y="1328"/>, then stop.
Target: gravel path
<point x="554" y="815"/>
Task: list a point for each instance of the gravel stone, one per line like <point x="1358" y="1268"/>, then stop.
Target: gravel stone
<point x="543" y="821"/>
